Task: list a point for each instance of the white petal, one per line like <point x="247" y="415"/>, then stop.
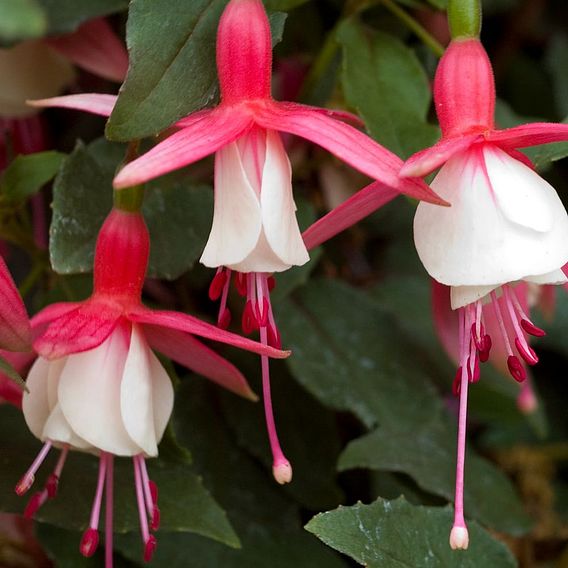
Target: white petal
<point x="35" y="403"/>
<point x="236" y="216"/>
<point x="278" y="207"/>
<point x="58" y="430"/>
<point x="54" y="373"/>
<point x="473" y="242"/>
<point x="146" y="395"/>
<point x="163" y="396"/>
<point x="463" y="295"/>
<point x="89" y="395"/>
<point x="261" y="259"/>
<point x="522" y="195"/>
<point x="554" y="277"/>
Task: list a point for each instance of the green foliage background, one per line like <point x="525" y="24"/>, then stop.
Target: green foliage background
<point x="364" y="404"/>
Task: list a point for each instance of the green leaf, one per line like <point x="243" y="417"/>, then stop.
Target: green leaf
<point x="185" y="504"/>
<point x="557" y="63"/>
<point x="283" y="4"/>
<point x="353" y="357"/>
<point x="27" y="174"/>
<point x="428" y="456"/>
<point x="384" y="81"/>
<point x="395" y="534"/>
<point x="21" y="19"/>
<point x="178" y="213"/>
<point x="66" y="16"/>
<point x="7" y="370"/>
<point x="267" y="522"/>
<point x="181" y="77"/>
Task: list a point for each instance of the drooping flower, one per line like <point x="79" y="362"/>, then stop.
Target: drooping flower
<point x="97" y="385"/>
<point x="505" y="225"/>
<point x="254" y="231"/>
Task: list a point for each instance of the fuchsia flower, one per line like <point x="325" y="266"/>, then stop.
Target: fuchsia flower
<point x="506" y="224"/>
<point x="255" y="231"/>
<point x="97" y="386"/>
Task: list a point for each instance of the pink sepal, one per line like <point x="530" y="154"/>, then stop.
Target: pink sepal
<point x="363" y="203"/>
<point x="215" y="129"/>
<point x="532" y="134"/>
<point x="94" y="103"/>
<point x="426" y="161"/>
<point x="344" y="141"/>
<point x="15" y="331"/>
<point x="464" y="89"/>
<point x="9" y="391"/>
<point x="191" y="353"/>
<point x="51" y="312"/>
<point x="96" y="48"/>
<point x="81" y="329"/>
<point x="244" y="52"/>
<point x="190" y="324"/>
<point x="523" y="158"/>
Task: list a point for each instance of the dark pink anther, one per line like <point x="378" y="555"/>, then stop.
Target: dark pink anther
<point x="241" y="284"/>
<point x="516" y="368"/>
<point x="477" y="339"/>
<point x="217" y="285"/>
<point x="456" y="385"/>
<point x="89" y="542"/>
<point x="529" y="355"/>
<point x="532" y="329"/>
<point x="23" y="486"/>
<point x="155" y="520"/>
<point x="249" y="322"/>
<point x="274" y="338"/>
<point x="35" y="502"/>
<point x="51" y="485"/>
<point x="473" y="378"/>
<point x="224" y="319"/>
<point x="150" y="548"/>
<point x="486" y="348"/>
<point x="153" y="492"/>
<point x="271" y="282"/>
<point x="262" y="317"/>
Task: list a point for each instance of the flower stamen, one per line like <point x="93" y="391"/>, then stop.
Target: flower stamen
<point x="148" y="539"/>
<point x="23" y="486"/>
<point x="90" y="540"/>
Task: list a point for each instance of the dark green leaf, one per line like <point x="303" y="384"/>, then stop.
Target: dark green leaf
<point x="181" y="77"/>
<point x="428" y="456"/>
<point x="384" y="81"/>
<point x="26" y="175"/>
<point x="65" y="16"/>
<point x="178" y="213"/>
<point x="557" y="63"/>
<point x="21" y="19"/>
<point x="352" y="356"/>
<point x="283" y="4"/>
<point x="82" y="197"/>
<point x="186" y="506"/>
<point x="313" y="450"/>
<point x="267" y="522"/>
<point x="395" y="534"/>
<point x="7" y="370"/>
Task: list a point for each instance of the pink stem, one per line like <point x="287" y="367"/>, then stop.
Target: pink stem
<point x="109" y="511"/>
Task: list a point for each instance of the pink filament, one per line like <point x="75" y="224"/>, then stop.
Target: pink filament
<point x="149" y="540"/>
<point x="29" y="477"/>
<point x="109" y="510"/>
<point x="464" y="339"/>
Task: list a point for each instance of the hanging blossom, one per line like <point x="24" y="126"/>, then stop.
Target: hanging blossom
<point x="97" y="386"/>
<point x="255" y="232"/>
<point x="505" y="225"/>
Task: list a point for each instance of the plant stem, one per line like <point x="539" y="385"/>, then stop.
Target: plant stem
<point x="427" y="39"/>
